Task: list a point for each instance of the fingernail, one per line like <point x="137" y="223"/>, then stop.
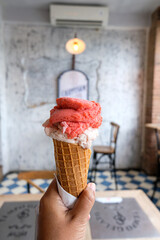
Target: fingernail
<point x="89" y="216"/>
<point x="92" y="186"/>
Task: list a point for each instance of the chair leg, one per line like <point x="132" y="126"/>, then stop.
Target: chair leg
<point x="115" y="178"/>
<point x="28" y="187"/>
<point x="114" y="171"/>
<point x="154" y="189"/>
<point x="90" y="175"/>
<point x="110" y="165"/>
<point x="157" y="178"/>
<point x="93" y="167"/>
<point x="95" y="171"/>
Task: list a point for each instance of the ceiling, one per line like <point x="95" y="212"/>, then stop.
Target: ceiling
<point x="130" y="6"/>
<point x="134" y="13"/>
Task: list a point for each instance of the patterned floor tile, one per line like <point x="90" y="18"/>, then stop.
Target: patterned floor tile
<point x="13" y="186"/>
<point x="34" y="190"/>
<point x="135" y="182"/>
<point x="103" y="175"/>
<point x="155" y="201"/>
<point x="98" y="173"/>
<point x="99" y="180"/>
<point x="112" y="186"/>
<point x="146" y="185"/>
<point x="106" y="173"/>
<point x="7" y="182"/>
<point x="121" y="173"/>
<point x="12" y="176"/>
<point x="49" y="181"/>
<point x="121" y="182"/>
<point x="44" y="185"/>
<point x="133" y="172"/>
<point x="139" y="178"/>
<point x="131" y="186"/>
<point x="120" y="187"/>
<point x="18" y="190"/>
<point x="149" y="181"/>
<point x="21" y="183"/>
<point x="149" y="193"/>
<point x="39" y="181"/>
<point x="100" y="187"/>
<point x="144" y="190"/>
<point x="130" y="175"/>
<point x="106" y="183"/>
<point x="4" y="190"/>
<point x="157" y="195"/>
<point x="126" y="180"/>
<point x="152" y="178"/>
<point x="158" y="203"/>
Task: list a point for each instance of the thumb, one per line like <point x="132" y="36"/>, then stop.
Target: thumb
<point x="84" y="203"/>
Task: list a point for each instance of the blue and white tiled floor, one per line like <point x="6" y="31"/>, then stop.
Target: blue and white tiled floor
<point x="126" y="180"/>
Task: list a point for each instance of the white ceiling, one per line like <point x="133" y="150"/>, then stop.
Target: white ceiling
<point x="130" y="13"/>
<point x="123" y="6"/>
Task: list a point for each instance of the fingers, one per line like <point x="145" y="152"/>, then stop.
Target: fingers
<point x="84" y="203"/>
<point x="49" y="195"/>
<point x="52" y="191"/>
<point x="51" y="198"/>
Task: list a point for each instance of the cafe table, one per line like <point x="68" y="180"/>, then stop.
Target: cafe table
<point x="155" y="126"/>
<point x="144" y="202"/>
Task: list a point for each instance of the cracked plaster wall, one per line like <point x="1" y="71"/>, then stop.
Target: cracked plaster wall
<point x="35" y="56"/>
<point x="2" y="80"/>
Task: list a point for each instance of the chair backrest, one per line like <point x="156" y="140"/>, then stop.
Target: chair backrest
<point x="28" y="176"/>
<point x="36" y="175"/>
<point x="114" y="133"/>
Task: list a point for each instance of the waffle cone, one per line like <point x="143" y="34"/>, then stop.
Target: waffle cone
<point x="72" y="163"/>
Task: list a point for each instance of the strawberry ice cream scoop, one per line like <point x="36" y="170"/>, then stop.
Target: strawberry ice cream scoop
<point x="75" y="116"/>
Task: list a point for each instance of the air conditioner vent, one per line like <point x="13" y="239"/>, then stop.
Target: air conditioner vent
<point x="78" y="23"/>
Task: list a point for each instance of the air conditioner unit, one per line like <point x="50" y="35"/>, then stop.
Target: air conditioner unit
<point x="79" y="16"/>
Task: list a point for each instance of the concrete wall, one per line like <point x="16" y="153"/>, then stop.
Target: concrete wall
<point x="35" y="56"/>
<point x="2" y="78"/>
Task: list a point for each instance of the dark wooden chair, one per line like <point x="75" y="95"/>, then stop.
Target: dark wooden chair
<point x="158" y="162"/>
<point x="101" y="151"/>
<point x="28" y="176"/>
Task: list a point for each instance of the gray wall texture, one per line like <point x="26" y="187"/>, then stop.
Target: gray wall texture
<point x="35" y="56"/>
<point x="2" y="80"/>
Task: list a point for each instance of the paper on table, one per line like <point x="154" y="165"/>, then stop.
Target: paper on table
<point x="68" y="199"/>
<point x="109" y="199"/>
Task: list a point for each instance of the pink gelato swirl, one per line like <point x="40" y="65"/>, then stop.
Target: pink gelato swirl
<point x="74" y="116"/>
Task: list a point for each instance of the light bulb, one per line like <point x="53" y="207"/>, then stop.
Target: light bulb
<point x="75" y="46"/>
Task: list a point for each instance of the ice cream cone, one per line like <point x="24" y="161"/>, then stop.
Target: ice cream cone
<point x="72" y="163"/>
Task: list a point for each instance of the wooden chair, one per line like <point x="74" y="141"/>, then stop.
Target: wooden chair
<point x="28" y="176"/>
<point x="109" y="151"/>
<point x="158" y="163"/>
